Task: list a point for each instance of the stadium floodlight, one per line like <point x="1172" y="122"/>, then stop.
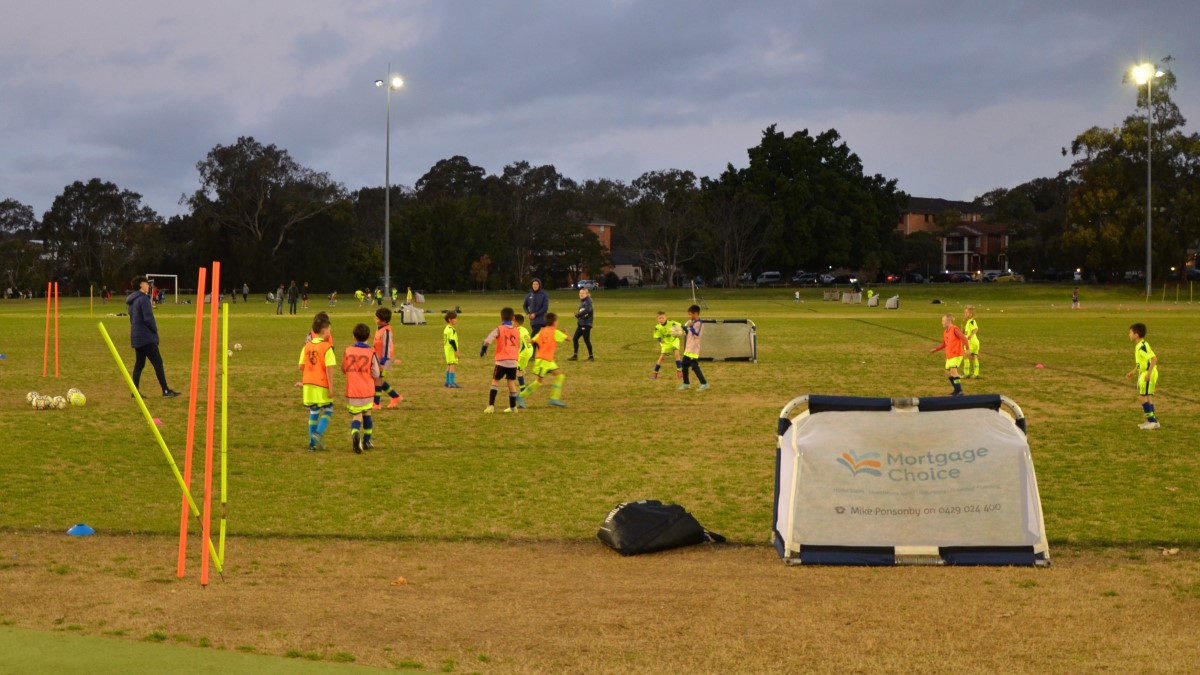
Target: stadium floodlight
<point x="1145" y="74"/>
<point x="394" y="83"/>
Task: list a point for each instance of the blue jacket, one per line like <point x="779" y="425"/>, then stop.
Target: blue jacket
<point x="537" y="303"/>
<point x="583" y="315"/>
<point x="143" y="330"/>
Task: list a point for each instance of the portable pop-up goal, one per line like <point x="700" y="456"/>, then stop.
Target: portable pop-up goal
<point x="728" y="340"/>
<point x="879" y="481"/>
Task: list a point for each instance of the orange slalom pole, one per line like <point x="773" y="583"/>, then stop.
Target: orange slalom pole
<point x="191" y="421"/>
<point x="206" y="522"/>
<point x="46" y="348"/>
<point x="56" y="329"/>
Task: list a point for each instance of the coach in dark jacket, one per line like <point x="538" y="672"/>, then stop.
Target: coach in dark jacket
<point x="143" y="335"/>
<point x="583" y="325"/>
<point x="537" y="304"/>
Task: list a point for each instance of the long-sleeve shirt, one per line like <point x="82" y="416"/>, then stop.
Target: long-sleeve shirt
<point x="584" y="314"/>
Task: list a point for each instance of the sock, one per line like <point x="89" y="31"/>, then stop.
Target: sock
<point x="378" y="389"/>
<point x="492" y="395"/>
<point x="530" y="388"/>
<point x="657" y="366"/>
<point x="323" y="421"/>
<point x="678" y="366"/>
<point x="447" y="378"/>
<point x="453" y="377"/>
<point x="387" y="388"/>
<point x="1148" y="408"/>
<point x="556" y="388"/>
<point x="957" y="382"/>
<point x="355" y="427"/>
<point x="521" y="381"/>
<point x="313" y="413"/>
<point x="512" y="399"/>
<point x="975" y="370"/>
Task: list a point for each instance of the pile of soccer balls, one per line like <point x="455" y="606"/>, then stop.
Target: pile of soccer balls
<point x="44" y="402"/>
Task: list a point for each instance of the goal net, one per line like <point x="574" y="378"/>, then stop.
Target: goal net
<point x="729" y="340"/>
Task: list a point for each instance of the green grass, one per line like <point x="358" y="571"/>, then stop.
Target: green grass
<point x="445" y="471"/>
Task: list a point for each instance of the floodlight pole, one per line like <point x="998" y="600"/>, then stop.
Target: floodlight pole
<point x="392" y="82"/>
<point x="1145" y="74"/>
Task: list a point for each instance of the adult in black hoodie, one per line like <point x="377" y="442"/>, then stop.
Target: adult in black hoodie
<point x="143" y="335"/>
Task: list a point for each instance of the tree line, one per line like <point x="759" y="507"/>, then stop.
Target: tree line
<point x="803" y="201"/>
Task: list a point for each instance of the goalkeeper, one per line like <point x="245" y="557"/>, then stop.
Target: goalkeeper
<point x="667" y="333"/>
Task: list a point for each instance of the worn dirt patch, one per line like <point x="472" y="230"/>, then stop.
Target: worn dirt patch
<point x="578" y="607"/>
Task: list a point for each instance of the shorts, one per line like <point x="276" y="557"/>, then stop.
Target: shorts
<point x="1147" y="388"/>
<point x="973" y="343"/>
<point x="669" y="347"/>
<point x="316" y="396"/>
<point x="542" y="367"/>
<point x="504" y="373"/>
<point x="451" y="359"/>
<point x="364" y="408"/>
<point x="953" y="362"/>
<point x="523" y="359"/>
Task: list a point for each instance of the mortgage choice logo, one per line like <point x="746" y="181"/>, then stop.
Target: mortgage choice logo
<point x="911" y="467"/>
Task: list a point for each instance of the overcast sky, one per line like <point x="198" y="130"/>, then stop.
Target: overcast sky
<point x="950" y="98"/>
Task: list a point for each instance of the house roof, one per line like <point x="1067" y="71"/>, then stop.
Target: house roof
<point x="982" y="228"/>
<point x="935" y="205"/>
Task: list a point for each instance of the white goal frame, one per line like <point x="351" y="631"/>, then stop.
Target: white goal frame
<point x="166" y="276"/>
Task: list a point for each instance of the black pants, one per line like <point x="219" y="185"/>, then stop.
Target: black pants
<point x="149" y="352"/>
<point x="586" y="333"/>
<point x="689" y="362"/>
<point x="292" y="306"/>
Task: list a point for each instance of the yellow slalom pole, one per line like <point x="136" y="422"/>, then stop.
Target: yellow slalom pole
<point x="224" y="426"/>
<point x="1164" y="291"/>
<point x="137" y="396"/>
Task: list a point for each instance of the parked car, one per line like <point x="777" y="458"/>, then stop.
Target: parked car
<point x="796" y="278"/>
<point x="845" y="279"/>
<point x="826" y="279"/>
<point x="1191" y="274"/>
<point x="950" y="278"/>
<point x="888" y="278"/>
<point x="768" y="278"/>
<point x="587" y="284"/>
<point x="989" y="277"/>
<point x="807" y="278"/>
<point x="914" y="278"/>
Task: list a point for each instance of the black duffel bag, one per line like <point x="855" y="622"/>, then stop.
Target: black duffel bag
<point x="649" y="525"/>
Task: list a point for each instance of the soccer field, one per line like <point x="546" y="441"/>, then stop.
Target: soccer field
<point x="493" y="517"/>
<point x="445" y="471"/>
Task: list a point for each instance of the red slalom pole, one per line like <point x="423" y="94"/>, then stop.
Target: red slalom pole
<point x="56" y="329"/>
<point x="191" y="422"/>
<point x="212" y="401"/>
<point x="46" y="349"/>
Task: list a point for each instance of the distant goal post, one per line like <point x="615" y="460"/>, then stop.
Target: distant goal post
<point x="174" y="282"/>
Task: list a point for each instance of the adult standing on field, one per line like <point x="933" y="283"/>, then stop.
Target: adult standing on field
<point x="583" y="325"/>
<point x="537" y="305"/>
<point x="245" y="292"/>
<point x="279" y="299"/>
<point x="143" y="335"/>
<point x="293" y="292"/>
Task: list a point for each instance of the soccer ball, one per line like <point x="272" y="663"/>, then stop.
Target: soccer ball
<point x="59" y="403"/>
<point x="229" y="352"/>
<point x="42" y="402"/>
<point x="31" y="397"/>
<point x="237" y="346"/>
<point x="677" y="331"/>
<point x="76" y="397"/>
